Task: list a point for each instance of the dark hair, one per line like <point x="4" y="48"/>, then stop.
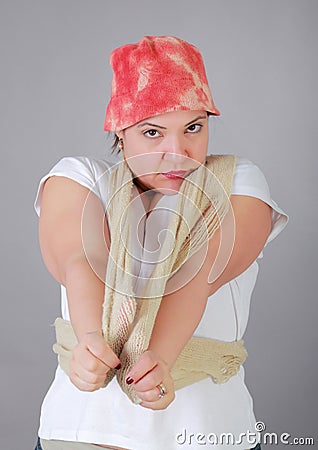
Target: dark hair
<point x="114" y="146"/>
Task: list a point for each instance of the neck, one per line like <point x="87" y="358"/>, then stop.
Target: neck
<point x="142" y="187"/>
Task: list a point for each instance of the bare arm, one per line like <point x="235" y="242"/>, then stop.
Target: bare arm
<point x="74" y="242"/>
<point x="73" y="238"/>
<point x="180" y="312"/>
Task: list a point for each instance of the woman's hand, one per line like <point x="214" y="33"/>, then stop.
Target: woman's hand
<point x="91" y="359"/>
<point x="145" y="376"/>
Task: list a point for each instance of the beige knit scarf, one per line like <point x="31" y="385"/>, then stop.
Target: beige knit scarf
<point x="127" y="323"/>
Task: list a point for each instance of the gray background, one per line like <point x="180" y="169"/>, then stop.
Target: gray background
<point x="55" y="82"/>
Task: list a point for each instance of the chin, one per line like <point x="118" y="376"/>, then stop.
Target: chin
<point x="160" y="184"/>
<point x="170" y="187"/>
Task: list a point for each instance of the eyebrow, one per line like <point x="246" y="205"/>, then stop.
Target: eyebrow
<point x="164" y="128"/>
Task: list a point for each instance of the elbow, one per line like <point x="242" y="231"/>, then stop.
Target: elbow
<point x="81" y="265"/>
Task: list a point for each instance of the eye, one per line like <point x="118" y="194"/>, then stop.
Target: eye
<point x="151" y="133"/>
<point x="194" y="128"/>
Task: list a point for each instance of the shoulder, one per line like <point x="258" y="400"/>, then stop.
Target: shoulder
<point x="254" y="220"/>
<point x="84" y="166"/>
<point x="91" y="173"/>
<point x="249" y="179"/>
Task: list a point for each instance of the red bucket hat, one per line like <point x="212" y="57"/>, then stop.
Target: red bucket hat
<point x="159" y="74"/>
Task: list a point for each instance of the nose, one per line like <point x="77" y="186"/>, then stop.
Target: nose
<point x="175" y="149"/>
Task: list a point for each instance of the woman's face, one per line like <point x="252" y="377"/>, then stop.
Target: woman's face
<point x="162" y="150"/>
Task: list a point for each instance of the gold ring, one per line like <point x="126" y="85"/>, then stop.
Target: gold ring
<point x="162" y="390"/>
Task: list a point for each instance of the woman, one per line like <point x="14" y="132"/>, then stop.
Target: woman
<point x="159" y="112"/>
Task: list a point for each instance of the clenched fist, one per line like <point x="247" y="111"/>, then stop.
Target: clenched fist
<point x="91" y="359"/>
<point x="149" y="372"/>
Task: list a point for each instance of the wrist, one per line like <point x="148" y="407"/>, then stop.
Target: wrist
<point x="97" y="331"/>
<point x="161" y="356"/>
<point x="81" y="332"/>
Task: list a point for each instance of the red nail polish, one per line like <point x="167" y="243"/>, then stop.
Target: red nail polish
<point x="118" y="366"/>
<point x="129" y="380"/>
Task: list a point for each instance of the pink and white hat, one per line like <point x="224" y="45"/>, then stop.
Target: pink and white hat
<point x="157" y="75"/>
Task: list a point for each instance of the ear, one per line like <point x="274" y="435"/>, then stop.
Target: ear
<point x="120" y="134"/>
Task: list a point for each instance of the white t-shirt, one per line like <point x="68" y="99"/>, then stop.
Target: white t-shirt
<point x="200" y="412"/>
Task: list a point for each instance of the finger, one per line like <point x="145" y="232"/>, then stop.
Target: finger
<point x="81" y="384"/>
<point x="147" y="362"/>
<point x="153" y="405"/>
<point x="95" y="378"/>
<point x="149" y="381"/>
<point x="150" y="396"/>
<point x="82" y="358"/>
<point x="162" y="403"/>
<point x="99" y="347"/>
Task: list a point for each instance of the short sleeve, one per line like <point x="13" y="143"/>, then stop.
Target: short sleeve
<point x="250" y="180"/>
<point x="86" y="171"/>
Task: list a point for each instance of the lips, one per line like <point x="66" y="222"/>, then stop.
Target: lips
<point x="175" y="174"/>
